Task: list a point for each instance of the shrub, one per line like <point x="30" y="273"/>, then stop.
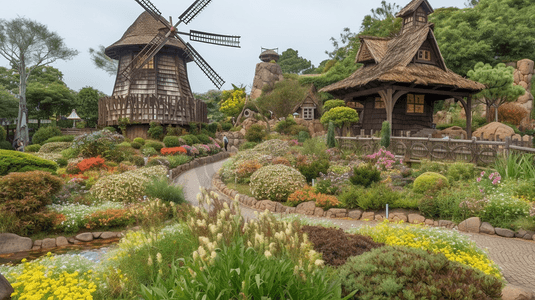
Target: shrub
<point x="365" y="175"/>
<point x="173" y="151"/>
<point x="155" y="131"/>
<point x="307" y="193"/>
<point x="503" y="211"/>
<point x="404" y="273"/>
<point x="255" y="133"/>
<point x="460" y="171"/>
<point x="430" y="182"/>
<point x="313" y="169"/>
<point x="135" y="145"/>
<point x="247" y="145"/>
<point x="153" y="144"/>
<point x="70" y="153"/>
<point x="525" y="189"/>
<point x="32" y="148"/>
<point x="44" y="133"/>
<point x="110" y="129"/>
<point x="54" y="147"/>
<point x="91" y="163"/>
<point x="273" y="147"/>
<point x="125" y="145"/>
<point x="303" y="136"/>
<point x="281" y="161"/>
<point x="330" y="104"/>
<point x="190" y="139"/>
<point x="284" y="125"/>
<point x="126" y="187"/>
<point x="326" y="201"/>
<point x="336" y="246"/>
<point x="102" y="143"/>
<point x="137" y="160"/>
<point x="139" y="140"/>
<point x="62" y="162"/>
<point x="246" y="168"/>
<point x="160" y="188"/>
<point x="226" y="126"/>
<point x="331" y="141"/>
<point x="315" y="146"/>
<point x="276" y="182"/>
<point x="108" y="218"/>
<point x="5" y="145"/>
<point x="149" y="151"/>
<point x="3" y="133"/>
<point x="177" y="160"/>
<point x="62" y="138"/>
<point x="376" y="197"/>
<point x="28" y="192"/>
<point x="158" y="161"/>
<point x="430" y="166"/>
<point x="173" y="131"/>
<point x="14" y="161"/>
<point x="203" y="139"/>
<point x="171" y="141"/>
<point x="385" y="134"/>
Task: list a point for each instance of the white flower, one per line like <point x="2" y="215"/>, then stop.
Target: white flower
<point x="267" y="253"/>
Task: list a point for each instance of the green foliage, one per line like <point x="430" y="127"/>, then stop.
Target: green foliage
<point x="255" y="133"/>
<point x="405" y="273"/>
<point x="171" y="141"/>
<point x="62" y="162"/>
<point x="284" y="125"/>
<point x="44" y="133"/>
<point x="499" y="82"/>
<point x="303" y="136"/>
<point x="61" y="138"/>
<point x="313" y="169"/>
<point x="32" y="148"/>
<point x="203" y="139"/>
<point x="138" y="160"/>
<point x="154" y="144"/>
<point x="340" y="69"/>
<point x="516" y="166"/>
<point x="70" y="153"/>
<point x="135" y="145"/>
<point x="139" y="140"/>
<point x="232" y="101"/>
<point x="365" y="175"/>
<point x="157" y="161"/>
<point x="14" y="161"/>
<point x="160" y="188"/>
<point x="212" y="98"/>
<point x="6" y="145"/>
<point x="340" y="116"/>
<point x="155" y="130"/>
<point x="430" y="182"/>
<point x="103" y="143"/>
<point x="375" y="197"/>
<point x="87" y="104"/>
<point x="190" y="139"/>
<point x="177" y="160"/>
<point x="430" y="166"/>
<point x="9" y="104"/>
<point x="385" y="134"/>
<point x="3" y="133"/>
<point x="54" y="147"/>
<point x="282" y="97"/>
<point x="291" y="62"/>
<point x="276" y="182"/>
<point x="110" y="129"/>
<point x="226" y="126"/>
<point x="331" y="141"/>
<point x="525" y="189"/>
<point x="247" y="145"/>
<point x="48" y="99"/>
<point x="460" y="171"/>
<point x="456" y="203"/>
<point x="328" y="105"/>
<point x="316" y="147"/>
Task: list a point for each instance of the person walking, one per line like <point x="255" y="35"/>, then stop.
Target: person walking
<point x="225" y="141"/>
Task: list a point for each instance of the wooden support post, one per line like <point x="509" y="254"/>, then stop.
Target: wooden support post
<point x="468" y="111"/>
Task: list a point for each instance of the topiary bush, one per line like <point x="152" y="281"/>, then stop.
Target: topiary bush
<point x="139" y="140"/>
<point x="44" y="133"/>
<point x="154" y="144"/>
<point x="54" y="147"/>
<point x="303" y="136"/>
<point x="255" y="133"/>
<point x="155" y="131"/>
<point x="14" y="161"/>
<point x="331" y="141"/>
<point x="430" y="182"/>
<point x="32" y="148"/>
<point x="365" y="175"/>
<point x="385" y="134"/>
<point x="407" y="273"/>
<point x="171" y="141"/>
<point x="136" y="145"/>
<point x="336" y="246"/>
<point x="62" y="138"/>
<point x="276" y="182"/>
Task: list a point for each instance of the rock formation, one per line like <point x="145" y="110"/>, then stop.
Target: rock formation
<point x="266" y="72"/>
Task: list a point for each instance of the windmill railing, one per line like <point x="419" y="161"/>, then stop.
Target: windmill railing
<point x="414" y="149"/>
<point x="143" y="109"/>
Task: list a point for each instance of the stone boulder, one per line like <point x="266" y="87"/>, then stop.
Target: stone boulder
<point x="494" y="130"/>
<point x="84" y="237"/>
<point x="486" y="228"/>
<point x="306" y="208"/>
<point x="5" y="288"/>
<point x="11" y="243"/>
<point x="416" y="218"/>
<point x="525" y="66"/>
<point x="452" y="132"/>
<point x="470" y="225"/>
<point x="512" y="292"/>
<point x="266" y="73"/>
<point x="504" y="232"/>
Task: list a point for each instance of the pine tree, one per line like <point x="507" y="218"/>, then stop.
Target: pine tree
<point x="331" y="142"/>
<point x="385" y="134"/>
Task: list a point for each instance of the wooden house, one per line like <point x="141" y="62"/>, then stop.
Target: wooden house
<point x="402" y="77"/>
<point x="309" y="108"/>
<point x="159" y="91"/>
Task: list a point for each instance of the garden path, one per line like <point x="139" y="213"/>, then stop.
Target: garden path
<point x="516" y="257"/>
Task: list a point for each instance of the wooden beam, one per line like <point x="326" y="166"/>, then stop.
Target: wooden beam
<point x="366" y="92"/>
<point x="430" y="91"/>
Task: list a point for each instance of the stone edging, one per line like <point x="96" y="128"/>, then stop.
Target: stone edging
<point x="197" y="162"/>
<point x="473" y="225"/>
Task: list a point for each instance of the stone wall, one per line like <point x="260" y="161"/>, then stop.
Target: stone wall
<point x="523" y="75"/>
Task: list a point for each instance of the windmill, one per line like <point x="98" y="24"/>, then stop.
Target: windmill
<point x="152" y="83"/>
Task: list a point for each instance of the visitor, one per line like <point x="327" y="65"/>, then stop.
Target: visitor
<point x="20" y="145"/>
<point x="225" y="141"/>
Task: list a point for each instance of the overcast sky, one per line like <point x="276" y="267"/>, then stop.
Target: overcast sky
<point x="304" y="25"/>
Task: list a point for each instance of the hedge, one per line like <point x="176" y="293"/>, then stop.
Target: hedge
<point x="14" y="161"/>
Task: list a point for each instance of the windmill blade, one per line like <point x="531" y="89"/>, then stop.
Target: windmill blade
<point x="193" y="10"/>
<point x="205" y="67"/>
<point x="216" y="39"/>
<point x="153" y="11"/>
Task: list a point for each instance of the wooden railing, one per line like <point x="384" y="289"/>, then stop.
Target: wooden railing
<point x="444" y="149"/>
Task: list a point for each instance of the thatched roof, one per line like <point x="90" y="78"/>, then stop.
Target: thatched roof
<point x="311" y="94"/>
<point x="397" y="66"/>
<point x="412" y="6"/>
<point x="372" y="48"/>
<point x="269" y="55"/>
<point x="141" y="32"/>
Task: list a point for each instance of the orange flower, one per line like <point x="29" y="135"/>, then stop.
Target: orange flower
<point x="173" y="150"/>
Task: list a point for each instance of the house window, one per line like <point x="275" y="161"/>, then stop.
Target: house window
<point x="415" y="104"/>
<point x="379" y="103"/>
<point x="308" y="113"/>
<point x="149" y="64"/>
<point x="424" y="55"/>
<point x="408" y="20"/>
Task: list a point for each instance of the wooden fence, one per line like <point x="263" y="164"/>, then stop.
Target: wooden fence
<point x="416" y="148"/>
<point x="144" y="109"/>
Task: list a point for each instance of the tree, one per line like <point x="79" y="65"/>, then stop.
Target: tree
<point x="102" y="61"/>
<point x="328" y="105"/>
<point x="46" y="100"/>
<point x="27" y="45"/>
<point x="385" y="134"/>
<point x="493" y="31"/>
<point x="341" y="116"/>
<point x="87" y="104"/>
<point x="291" y="62"/>
<point x="9" y="104"/>
<point x="500" y="89"/>
<point x="9" y="79"/>
<point x="232" y="101"/>
<point x="212" y="99"/>
<point x="282" y="97"/>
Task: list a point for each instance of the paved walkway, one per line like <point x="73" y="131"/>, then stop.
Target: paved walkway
<point x="516" y="257"/>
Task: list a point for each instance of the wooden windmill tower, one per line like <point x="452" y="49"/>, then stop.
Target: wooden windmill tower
<point x="152" y="83"/>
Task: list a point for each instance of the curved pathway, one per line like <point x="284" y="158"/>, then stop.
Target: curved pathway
<point x="516" y="257"/>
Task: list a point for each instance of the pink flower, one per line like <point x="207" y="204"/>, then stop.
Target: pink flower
<point x="482" y="173"/>
<point x="478" y="179"/>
